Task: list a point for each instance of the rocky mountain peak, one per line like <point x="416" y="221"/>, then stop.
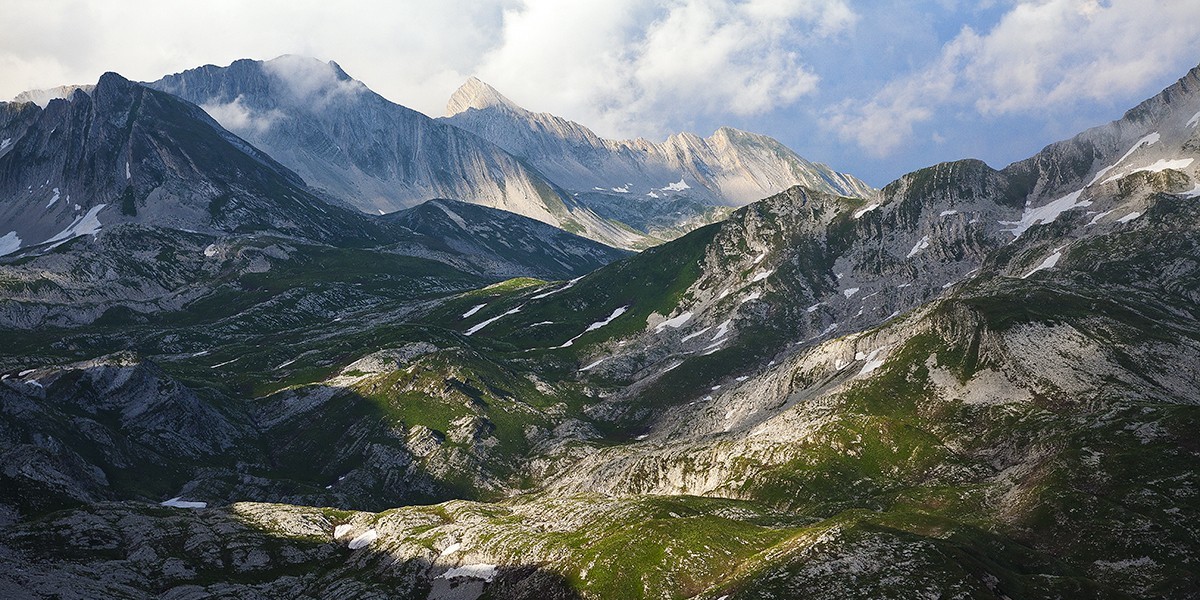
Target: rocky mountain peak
<point x="43" y="97"/>
<point x="477" y="95"/>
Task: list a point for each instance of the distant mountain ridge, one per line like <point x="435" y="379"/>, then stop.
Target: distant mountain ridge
<point x="127" y="153"/>
<point x="121" y="154"/>
<point x="362" y="149"/>
<point x="731" y="167"/>
<point x="974" y="384"/>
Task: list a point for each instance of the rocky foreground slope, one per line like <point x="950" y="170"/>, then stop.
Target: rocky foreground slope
<point x="978" y="384"/>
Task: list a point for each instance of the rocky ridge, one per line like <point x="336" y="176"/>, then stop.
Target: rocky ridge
<point x="1000" y="410"/>
<point x="361" y="149"/>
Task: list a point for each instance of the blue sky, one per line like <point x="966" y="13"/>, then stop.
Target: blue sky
<point x="876" y="88"/>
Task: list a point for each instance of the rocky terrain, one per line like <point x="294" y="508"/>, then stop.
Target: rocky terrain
<point x="357" y="148"/>
<point x="977" y="383"/>
<point x="666" y="188"/>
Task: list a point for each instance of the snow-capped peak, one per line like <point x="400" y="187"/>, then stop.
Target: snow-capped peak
<point x="478" y="95"/>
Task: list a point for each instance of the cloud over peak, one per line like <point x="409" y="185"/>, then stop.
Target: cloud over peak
<point x="628" y="67"/>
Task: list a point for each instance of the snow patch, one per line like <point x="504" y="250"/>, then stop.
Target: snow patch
<point x="693" y="335"/>
<point x="11" y="242"/>
<point x="873" y="360"/>
<point x="674" y="323"/>
<point x="1047" y="213"/>
<point x="921" y="244"/>
<point x="1195" y="193"/>
<point x="946" y="213"/>
<point x="652" y="194"/>
<point x="1191" y="122"/>
<point x="597" y="325"/>
<point x="1163" y="164"/>
<point x="363" y="540"/>
<point x="850" y="292"/>
<point x="761" y="275"/>
<point x="862" y="211"/>
<point x="481" y="571"/>
<point x="451" y="549"/>
<point x="752" y="296"/>
<point x="128" y="175"/>
<point x="1096" y="219"/>
<point x="210" y="250"/>
<point x="475" y="329"/>
<point x="474" y="310"/>
<point x="87" y="224"/>
<point x="1048" y="263"/>
<point x="555" y="291"/>
<point x="678" y="186"/>
<point x="341" y="530"/>
<point x="722" y="330"/>
<point x="6" y="142"/>
<point x="594" y="365"/>
<point x="1129" y="217"/>
<point x="176" y="502"/>
<point x="1149" y="140"/>
<point x="622" y="190"/>
<point x="759" y="258"/>
<point x="54" y="199"/>
<point x="813" y="308"/>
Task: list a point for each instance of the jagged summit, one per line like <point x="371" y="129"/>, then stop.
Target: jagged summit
<point x="475" y="94"/>
<point x="729" y="168"/>
<point x="43" y="97"/>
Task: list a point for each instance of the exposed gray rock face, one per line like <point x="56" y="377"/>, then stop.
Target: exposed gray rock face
<point x="976" y="385"/>
<point x="67" y="431"/>
<point x="43" y="97"/>
<point x="126" y="153"/>
<point x="498" y="243"/>
<point x="731" y="167"/>
<point x="363" y="150"/>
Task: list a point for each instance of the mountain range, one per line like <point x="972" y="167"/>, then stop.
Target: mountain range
<point x="379" y="156"/>
<point x="972" y="383"/>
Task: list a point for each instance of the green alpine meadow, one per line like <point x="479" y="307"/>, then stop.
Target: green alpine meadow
<point x="266" y="334"/>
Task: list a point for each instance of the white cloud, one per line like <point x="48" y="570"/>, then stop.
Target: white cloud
<point x="627" y="66"/>
<point x="1042" y="56"/>
<point x="310" y="80"/>
<point x="630" y="67"/>
<point x="236" y="116"/>
<point x="415" y="52"/>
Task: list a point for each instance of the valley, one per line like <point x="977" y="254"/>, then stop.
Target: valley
<point x="971" y="383"/>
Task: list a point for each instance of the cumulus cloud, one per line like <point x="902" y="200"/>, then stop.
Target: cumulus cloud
<point x="1042" y="56"/>
<point x="627" y="66"/>
<point x="414" y="52"/>
<point x="631" y="67"/>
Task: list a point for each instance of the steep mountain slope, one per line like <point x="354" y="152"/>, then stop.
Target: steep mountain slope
<point x="976" y="385"/>
<point x="131" y="201"/>
<point x="731" y="167"/>
<point x="126" y="153"/>
<point x="140" y="271"/>
<point x="498" y="243"/>
<point x="361" y="149"/>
